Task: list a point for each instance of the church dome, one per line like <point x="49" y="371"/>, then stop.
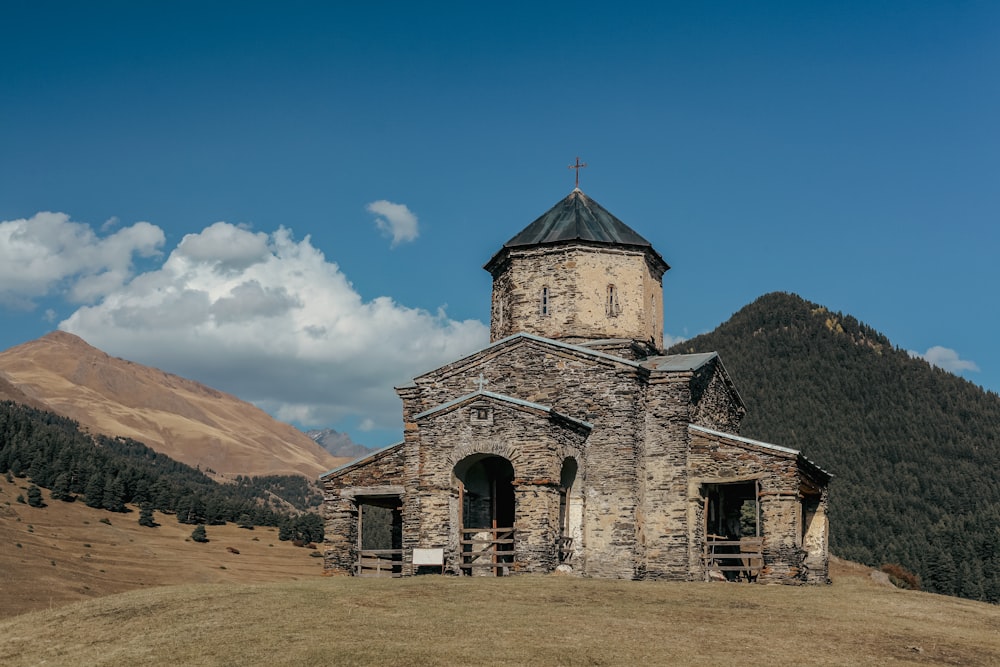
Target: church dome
<point x="577" y="217"/>
<point x="580" y="275"/>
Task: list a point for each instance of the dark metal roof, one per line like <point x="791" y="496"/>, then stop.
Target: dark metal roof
<point x="577" y="218"/>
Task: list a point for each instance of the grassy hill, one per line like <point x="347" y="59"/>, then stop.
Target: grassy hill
<point x="913" y="448"/>
<point x="50" y="556"/>
<point x="529" y="620"/>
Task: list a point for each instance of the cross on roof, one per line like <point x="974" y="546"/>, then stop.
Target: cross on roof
<point x="578" y="166"/>
<point x="481" y="381"/>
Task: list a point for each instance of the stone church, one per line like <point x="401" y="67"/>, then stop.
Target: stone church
<point x="572" y="443"/>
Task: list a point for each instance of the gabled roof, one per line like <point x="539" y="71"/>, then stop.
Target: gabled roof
<point x="577" y="217"/>
<point x="362" y="460"/>
<point x="516" y="402"/>
<point x="521" y="337"/>
<point x="778" y="449"/>
<point x="679" y="362"/>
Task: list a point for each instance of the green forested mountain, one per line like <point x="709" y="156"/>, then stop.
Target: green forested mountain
<point x="52" y="452"/>
<point x="914" y="449"/>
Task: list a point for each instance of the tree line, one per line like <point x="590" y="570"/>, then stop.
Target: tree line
<point x="111" y="473"/>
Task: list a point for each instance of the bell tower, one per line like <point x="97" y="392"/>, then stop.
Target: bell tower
<point x="580" y="275"/>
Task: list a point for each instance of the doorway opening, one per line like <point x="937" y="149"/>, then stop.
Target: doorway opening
<point x="733" y="531"/>
<point x="380" y="537"/>
<point x="487" y="508"/>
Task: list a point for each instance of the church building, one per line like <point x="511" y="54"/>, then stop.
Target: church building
<point x="572" y="443"/>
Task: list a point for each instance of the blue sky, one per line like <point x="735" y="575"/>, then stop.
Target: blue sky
<point x="292" y="202"/>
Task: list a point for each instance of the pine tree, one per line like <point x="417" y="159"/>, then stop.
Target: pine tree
<point x="114" y="494"/>
<point x="35" y="496"/>
<point x="198" y="534"/>
<point x="146" y="516"/>
<point x="94" y="491"/>
<point x="60" y="488"/>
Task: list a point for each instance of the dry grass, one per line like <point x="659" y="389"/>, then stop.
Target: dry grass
<point x="222" y="617"/>
<point x="64" y="553"/>
<point x="436" y="620"/>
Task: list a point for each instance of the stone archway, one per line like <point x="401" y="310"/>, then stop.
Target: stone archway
<point x="570" y="512"/>
<point x="487" y="512"/>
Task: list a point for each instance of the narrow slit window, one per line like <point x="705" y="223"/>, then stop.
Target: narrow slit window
<point x="612" y="306"/>
<point x="543" y="306"/>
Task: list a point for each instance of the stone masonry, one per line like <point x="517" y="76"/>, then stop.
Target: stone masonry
<point x="605" y="457"/>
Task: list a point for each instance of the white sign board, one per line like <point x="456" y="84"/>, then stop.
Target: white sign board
<point x="428" y="556"/>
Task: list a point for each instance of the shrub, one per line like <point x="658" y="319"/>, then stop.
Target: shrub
<point x="198" y="534"/>
<point x="35" y="496"/>
<point x="901" y="577"/>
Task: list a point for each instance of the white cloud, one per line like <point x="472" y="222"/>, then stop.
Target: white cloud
<point x="48" y="252"/>
<point x="670" y="340"/>
<point x="946" y="359"/>
<point x="269" y="319"/>
<point x="394" y="220"/>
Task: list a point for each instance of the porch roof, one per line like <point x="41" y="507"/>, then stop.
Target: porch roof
<point x="786" y="451"/>
<point x="364" y="459"/>
<point x="521" y="403"/>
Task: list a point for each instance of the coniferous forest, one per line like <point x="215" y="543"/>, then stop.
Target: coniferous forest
<point x="109" y="473"/>
<point x="913" y="448"/>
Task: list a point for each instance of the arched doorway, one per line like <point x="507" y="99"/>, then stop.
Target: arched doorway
<point x="487" y="512"/>
<point x="570" y="512"/>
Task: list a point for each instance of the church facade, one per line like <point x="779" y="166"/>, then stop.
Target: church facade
<point x="572" y="443"/>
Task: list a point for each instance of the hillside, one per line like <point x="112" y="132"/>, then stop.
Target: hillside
<point x="913" y="448"/>
<point x="527" y="620"/>
<point x="65" y="552"/>
<point x="185" y="420"/>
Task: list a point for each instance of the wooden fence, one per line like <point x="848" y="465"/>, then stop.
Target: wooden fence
<point x="744" y="556"/>
<point x="380" y="563"/>
<point x="491" y="548"/>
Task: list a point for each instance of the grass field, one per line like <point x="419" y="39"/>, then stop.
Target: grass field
<point x="223" y="613"/>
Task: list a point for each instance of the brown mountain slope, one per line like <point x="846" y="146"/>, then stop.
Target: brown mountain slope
<point x="183" y="419"/>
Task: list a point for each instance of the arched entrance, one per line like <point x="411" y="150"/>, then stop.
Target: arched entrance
<point x="570" y="512"/>
<point x="487" y="512"/>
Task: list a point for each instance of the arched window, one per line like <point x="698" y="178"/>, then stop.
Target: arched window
<point x="544" y="307"/>
<point x="612" y="305"/>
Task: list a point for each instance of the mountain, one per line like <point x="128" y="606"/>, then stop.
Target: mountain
<point x="183" y="419"/>
<point x="913" y="448"/>
<point x="338" y="444"/>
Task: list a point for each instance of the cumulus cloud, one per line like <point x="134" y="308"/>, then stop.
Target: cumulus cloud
<point x="394" y="220"/>
<point x="945" y="358"/>
<point x="271" y="320"/>
<point x="49" y="253"/>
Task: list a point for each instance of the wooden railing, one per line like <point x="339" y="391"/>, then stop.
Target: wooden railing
<point x="565" y="549"/>
<point x="744" y="556"/>
<point x="380" y="563"/>
<point x="491" y="548"/>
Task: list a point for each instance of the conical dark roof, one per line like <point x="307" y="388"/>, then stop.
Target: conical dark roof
<point x="577" y="218"/>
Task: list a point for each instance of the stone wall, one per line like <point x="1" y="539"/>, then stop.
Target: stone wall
<point x="576" y="279"/>
<point x="662" y="456"/>
<point x="379" y="474"/>
<point x="716" y="403"/>
<point x="588" y="387"/>
<point x="716" y="459"/>
<point x="535" y="442"/>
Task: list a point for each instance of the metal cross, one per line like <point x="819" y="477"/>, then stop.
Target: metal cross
<point x="481" y="381"/>
<point x="578" y="166"/>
